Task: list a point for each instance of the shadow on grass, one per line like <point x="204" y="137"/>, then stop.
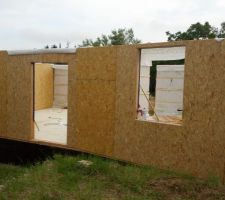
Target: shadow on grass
<point x="22" y="153"/>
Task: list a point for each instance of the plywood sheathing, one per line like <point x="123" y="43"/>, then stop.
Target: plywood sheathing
<point x="103" y="100"/>
<point x="3" y="86"/>
<point x="160" y="44"/>
<point x="197" y="146"/>
<point x="92" y="97"/>
<point x="19" y="93"/>
<point x="44" y="80"/>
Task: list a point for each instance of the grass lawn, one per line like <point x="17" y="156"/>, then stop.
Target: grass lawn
<point x="62" y="177"/>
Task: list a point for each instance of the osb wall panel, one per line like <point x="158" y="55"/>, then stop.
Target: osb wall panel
<point x="92" y="97"/>
<point x="3" y="60"/>
<point x="197" y="146"/>
<point x="102" y="107"/>
<point x="18" y="97"/>
<point x="20" y="91"/>
<point x="44" y="81"/>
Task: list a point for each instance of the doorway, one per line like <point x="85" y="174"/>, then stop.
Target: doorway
<point x="50" y="102"/>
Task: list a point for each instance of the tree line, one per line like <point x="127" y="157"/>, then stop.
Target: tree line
<point x="122" y="36"/>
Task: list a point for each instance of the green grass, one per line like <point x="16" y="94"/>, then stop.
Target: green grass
<point x="64" y="178"/>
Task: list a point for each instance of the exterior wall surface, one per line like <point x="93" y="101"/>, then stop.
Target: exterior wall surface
<point x="18" y="104"/>
<point x="3" y="89"/>
<point x="196" y="146"/>
<point x="102" y="105"/>
<point x="44" y="80"/>
<point x="92" y="96"/>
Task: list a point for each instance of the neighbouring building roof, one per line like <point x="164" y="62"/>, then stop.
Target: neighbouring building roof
<point x="41" y="51"/>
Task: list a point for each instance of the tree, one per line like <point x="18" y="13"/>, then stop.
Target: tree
<point x="222" y="31"/>
<point x="117" y="37"/>
<point x="198" y="31"/>
<point x="54" y="46"/>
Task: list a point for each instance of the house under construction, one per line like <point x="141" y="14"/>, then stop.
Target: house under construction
<point x="159" y="104"/>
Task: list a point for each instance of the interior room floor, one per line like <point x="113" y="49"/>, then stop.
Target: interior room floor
<point x="51" y="125"/>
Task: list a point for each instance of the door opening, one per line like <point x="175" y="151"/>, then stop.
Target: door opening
<point x="50" y="102"/>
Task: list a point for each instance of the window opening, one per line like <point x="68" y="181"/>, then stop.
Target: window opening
<point x="161" y="84"/>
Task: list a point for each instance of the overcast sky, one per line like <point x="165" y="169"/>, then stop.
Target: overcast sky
<point x="28" y="24"/>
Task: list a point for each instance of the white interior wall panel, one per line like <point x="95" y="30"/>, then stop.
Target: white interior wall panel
<point x="169" y="90"/>
<point x="144" y="84"/>
<point x="154" y="54"/>
<point x="176" y="84"/>
<point x="60" y="86"/>
<point x="168" y="96"/>
<point x="168" y="109"/>
<point x="170" y="79"/>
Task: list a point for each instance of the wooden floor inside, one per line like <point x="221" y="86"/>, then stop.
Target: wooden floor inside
<point x="51" y="125"/>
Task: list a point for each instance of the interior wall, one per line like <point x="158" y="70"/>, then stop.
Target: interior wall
<point x="196" y="146"/>
<point x="169" y="90"/>
<point x="60" y="88"/>
<point x="3" y="87"/>
<point x="44" y="86"/>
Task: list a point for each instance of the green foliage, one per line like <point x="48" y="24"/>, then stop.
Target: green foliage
<point x="117" y="37"/>
<point x="222" y="31"/>
<point x="213" y="181"/>
<point x="54" y="46"/>
<point x="198" y="31"/>
<point x="9" y="171"/>
<point x="64" y="178"/>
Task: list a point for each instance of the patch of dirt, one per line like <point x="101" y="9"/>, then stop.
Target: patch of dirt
<point x="112" y="194"/>
<point x="1" y="187"/>
<point x="175" y="188"/>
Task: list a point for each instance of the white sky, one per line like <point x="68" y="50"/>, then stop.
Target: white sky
<point x="28" y="24"/>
